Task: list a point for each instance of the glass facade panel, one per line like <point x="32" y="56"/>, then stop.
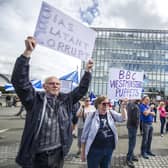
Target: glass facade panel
<point x="131" y="49"/>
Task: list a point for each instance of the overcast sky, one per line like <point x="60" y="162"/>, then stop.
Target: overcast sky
<point x="18" y="20"/>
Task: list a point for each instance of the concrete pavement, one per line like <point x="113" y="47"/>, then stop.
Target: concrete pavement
<point x="11" y="129"/>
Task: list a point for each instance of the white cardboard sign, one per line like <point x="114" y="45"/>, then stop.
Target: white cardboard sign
<point x="125" y="84"/>
<point x="60" y="32"/>
<point x="66" y="86"/>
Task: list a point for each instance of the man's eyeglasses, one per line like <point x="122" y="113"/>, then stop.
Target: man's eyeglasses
<point x="53" y="83"/>
<point x="87" y="100"/>
<point x="106" y="103"/>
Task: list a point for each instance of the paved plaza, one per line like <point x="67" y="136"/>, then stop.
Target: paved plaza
<point x="11" y="129"/>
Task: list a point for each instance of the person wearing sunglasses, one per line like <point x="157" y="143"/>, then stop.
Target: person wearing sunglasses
<point x="99" y="136"/>
<point x="47" y="135"/>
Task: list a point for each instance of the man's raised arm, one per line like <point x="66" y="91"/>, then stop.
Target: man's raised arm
<point x="20" y="75"/>
<point x="82" y="89"/>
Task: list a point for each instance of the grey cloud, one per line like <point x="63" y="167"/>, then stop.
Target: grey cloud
<point x="137" y="14"/>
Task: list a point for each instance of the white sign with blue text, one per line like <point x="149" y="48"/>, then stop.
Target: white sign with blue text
<point x="60" y="32"/>
<point x="125" y="84"/>
<point x="66" y="86"/>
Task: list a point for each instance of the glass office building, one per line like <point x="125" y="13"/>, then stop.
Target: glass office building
<point x="131" y="49"/>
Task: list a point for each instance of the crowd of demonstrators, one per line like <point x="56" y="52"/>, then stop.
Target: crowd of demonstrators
<point x="47" y="134"/>
<point x="83" y="111"/>
<point x="142" y="113"/>
<point x="52" y="117"/>
<point x="163" y="115"/>
<point x="147" y="114"/>
<point x="133" y="115"/>
<point x="99" y="136"/>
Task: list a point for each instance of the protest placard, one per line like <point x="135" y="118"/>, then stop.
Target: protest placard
<point x="60" y="32"/>
<point x="66" y="86"/>
<point x="125" y="84"/>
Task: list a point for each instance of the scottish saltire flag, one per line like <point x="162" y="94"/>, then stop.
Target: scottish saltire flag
<point x="73" y="76"/>
<point x="9" y="87"/>
<point x="37" y="84"/>
<point x="92" y="97"/>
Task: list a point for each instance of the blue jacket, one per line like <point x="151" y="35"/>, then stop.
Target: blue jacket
<point x="33" y="102"/>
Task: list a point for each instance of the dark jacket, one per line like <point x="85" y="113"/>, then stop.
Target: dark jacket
<point x="74" y="111"/>
<point x="133" y="114"/>
<point x="33" y="102"/>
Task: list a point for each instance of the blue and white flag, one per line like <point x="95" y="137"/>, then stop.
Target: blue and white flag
<point x="92" y="97"/>
<point x="73" y="76"/>
<point x="9" y="87"/>
<point x="37" y="84"/>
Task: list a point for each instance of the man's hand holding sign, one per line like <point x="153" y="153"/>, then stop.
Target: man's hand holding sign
<point x="30" y="44"/>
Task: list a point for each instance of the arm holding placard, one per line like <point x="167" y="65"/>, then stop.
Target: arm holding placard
<point x="30" y="44"/>
<point x="123" y="109"/>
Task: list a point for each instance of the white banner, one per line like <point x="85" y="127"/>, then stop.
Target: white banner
<point x="66" y="86"/>
<point x="60" y="32"/>
<point x="125" y="84"/>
